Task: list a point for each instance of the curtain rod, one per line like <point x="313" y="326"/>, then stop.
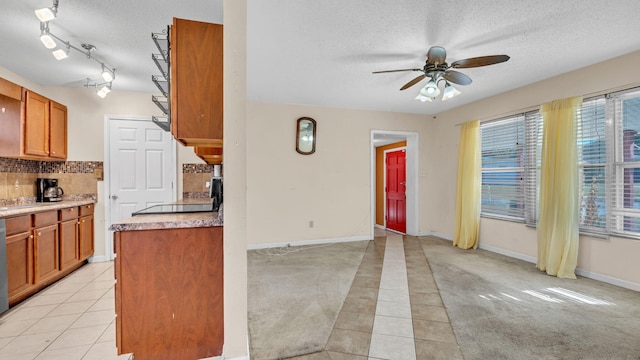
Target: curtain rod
<point x="588" y="95"/>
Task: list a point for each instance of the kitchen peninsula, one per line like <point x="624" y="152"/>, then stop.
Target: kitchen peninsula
<point x="169" y="285"/>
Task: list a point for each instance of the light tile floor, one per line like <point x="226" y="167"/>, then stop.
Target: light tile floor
<point x="72" y="319"/>
<point x="393" y="309"/>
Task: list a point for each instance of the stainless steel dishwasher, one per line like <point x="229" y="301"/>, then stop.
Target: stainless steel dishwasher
<point x="4" y="280"/>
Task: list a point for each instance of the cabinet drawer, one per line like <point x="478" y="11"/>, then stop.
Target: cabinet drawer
<point x="68" y="213"/>
<point x="45" y="218"/>
<point x="18" y="224"/>
<point x="86" y="209"/>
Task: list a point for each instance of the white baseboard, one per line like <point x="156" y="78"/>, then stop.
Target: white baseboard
<point x="100" y="258"/>
<point x="380" y="226"/>
<point x="307" y="242"/>
<point x="509" y="253"/>
<point x="238" y="358"/>
<point x="437" y="234"/>
<point x="609" y="280"/>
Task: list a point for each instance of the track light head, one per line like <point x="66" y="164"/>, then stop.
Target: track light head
<point x="48" y="14"/>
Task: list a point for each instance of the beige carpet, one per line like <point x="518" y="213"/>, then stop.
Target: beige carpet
<point x="295" y="295"/>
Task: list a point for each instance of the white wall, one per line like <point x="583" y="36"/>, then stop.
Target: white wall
<point x="331" y="187"/>
<point x="613" y="259"/>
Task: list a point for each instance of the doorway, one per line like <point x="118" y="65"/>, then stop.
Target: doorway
<point x="384" y="137"/>
<point x="140" y="169"/>
<point x="395" y="190"/>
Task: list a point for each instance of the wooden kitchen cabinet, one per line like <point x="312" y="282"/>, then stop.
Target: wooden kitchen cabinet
<point x="19" y="256"/>
<point x="36" y="125"/>
<point x="69" y="244"/>
<point x="196" y="82"/>
<point x="57" y="130"/>
<point x="85" y="231"/>
<point x="169" y="293"/>
<point x="33" y="126"/>
<point x="45" y="245"/>
<point x="210" y="155"/>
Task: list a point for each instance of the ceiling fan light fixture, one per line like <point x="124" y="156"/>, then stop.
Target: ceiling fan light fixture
<point x="449" y="92"/>
<point x="423" y="98"/>
<point x="431" y="89"/>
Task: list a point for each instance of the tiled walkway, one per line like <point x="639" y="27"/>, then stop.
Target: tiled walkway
<point x="393" y="309"/>
<point x="71" y="320"/>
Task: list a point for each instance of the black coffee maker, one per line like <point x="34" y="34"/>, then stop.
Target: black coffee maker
<point x="47" y="190"/>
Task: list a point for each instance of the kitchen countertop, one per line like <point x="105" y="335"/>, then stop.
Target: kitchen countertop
<point x="14" y="210"/>
<point x="171" y="221"/>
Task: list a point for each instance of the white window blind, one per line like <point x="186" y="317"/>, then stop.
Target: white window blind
<point x="533" y="122"/>
<point x="503" y="163"/>
<point x="623" y="111"/>
<point x="592" y="161"/>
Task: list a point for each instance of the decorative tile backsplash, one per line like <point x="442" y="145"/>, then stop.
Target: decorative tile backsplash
<point x="18" y="177"/>
<point x="197" y="168"/>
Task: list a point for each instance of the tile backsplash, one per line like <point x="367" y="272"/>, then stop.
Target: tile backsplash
<point x="194" y="178"/>
<point x="18" y="179"/>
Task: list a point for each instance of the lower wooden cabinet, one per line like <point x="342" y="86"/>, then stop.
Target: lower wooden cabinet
<point x="169" y="293"/>
<point x="19" y="257"/>
<point x="44" y="247"/>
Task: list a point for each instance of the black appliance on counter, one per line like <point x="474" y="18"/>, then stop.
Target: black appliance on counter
<point x="47" y="190"/>
<point x="215" y="191"/>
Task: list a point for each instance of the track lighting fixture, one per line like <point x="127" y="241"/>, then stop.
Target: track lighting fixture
<point x="48" y="14"/>
<point x="45" y="36"/>
<point x="51" y="41"/>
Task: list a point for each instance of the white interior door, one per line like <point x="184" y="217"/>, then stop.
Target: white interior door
<point x="142" y="168"/>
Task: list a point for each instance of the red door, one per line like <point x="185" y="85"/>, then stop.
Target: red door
<point x="396" y="191"/>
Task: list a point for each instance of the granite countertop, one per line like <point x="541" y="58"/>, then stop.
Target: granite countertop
<point x="14" y="210"/>
<point x="170" y="221"/>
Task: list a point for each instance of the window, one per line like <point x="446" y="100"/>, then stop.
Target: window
<point x="608" y="145"/>
<point x="623" y="111"/>
<point x="503" y="164"/>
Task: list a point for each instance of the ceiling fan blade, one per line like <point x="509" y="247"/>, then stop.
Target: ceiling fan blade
<point x="388" y="71"/>
<point x="457" y="77"/>
<point x="436" y="55"/>
<point x="413" y="82"/>
<point x="479" y="61"/>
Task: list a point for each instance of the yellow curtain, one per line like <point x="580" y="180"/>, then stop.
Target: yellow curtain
<point x="558" y="209"/>
<point x="468" y="187"/>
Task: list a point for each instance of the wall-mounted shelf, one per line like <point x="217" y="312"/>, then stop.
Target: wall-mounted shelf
<point x="162" y="61"/>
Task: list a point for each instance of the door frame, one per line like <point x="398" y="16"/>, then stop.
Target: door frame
<point x="384" y="176"/>
<point x="412" y="178"/>
<point x="108" y="235"/>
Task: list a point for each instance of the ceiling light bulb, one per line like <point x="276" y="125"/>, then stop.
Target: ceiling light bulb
<point x="449" y="92"/>
<point x="48" y="41"/>
<point x="46" y="14"/>
<point x="423" y="98"/>
<point x="103" y="91"/>
<point x="61" y="54"/>
<point x="107" y="75"/>
<point x="431" y="89"/>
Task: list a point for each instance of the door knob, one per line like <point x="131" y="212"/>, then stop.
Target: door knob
<point x="114" y="197"/>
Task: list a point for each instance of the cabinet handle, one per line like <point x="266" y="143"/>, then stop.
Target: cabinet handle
<point x="31" y="236"/>
<point x="83" y="221"/>
<point x="39" y="234"/>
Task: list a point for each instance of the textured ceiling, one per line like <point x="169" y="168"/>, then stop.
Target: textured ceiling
<point x="323" y="52"/>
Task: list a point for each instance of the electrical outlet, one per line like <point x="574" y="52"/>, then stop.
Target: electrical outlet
<point x="311" y="224"/>
<point x="207" y="184"/>
<point x="17" y="184"/>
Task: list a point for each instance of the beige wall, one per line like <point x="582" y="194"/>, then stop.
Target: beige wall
<point x="607" y="259"/>
<point x="331" y="187"/>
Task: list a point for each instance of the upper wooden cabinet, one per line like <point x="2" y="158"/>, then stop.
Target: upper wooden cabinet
<point x="196" y="82"/>
<point x="33" y="126"/>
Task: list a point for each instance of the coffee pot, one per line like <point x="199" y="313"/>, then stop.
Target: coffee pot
<point x="47" y="190"/>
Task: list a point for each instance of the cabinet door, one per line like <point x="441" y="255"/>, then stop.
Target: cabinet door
<point x="196" y="82"/>
<point x="85" y="235"/>
<point x="69" y="247"/>
<point x="19" y="263"/>
<point x="46" y="252"/>
<point x="58" y="131"/>
<point x="36" y="127"/>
